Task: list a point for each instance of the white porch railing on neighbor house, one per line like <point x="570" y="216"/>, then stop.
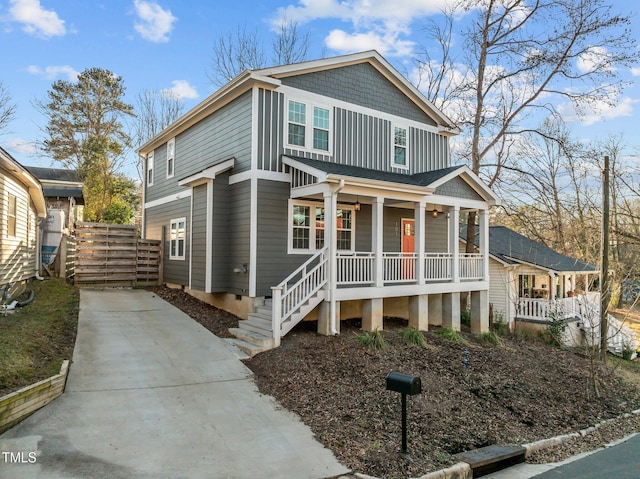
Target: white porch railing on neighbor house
<point x="359" y="268"/>
<point x="298" y="288"/>
<point x="543" y="309"/>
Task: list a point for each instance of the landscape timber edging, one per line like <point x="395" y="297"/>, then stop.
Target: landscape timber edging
<point x="18" y="405"/>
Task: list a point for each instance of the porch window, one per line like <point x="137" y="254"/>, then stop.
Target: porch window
<point x="297" y="121"/>
<point x="177" y="238"/>
<point x="171" y="155"/>
<point x="307" y="227"/>
<point x="400" y="147"/>
<point x="150" y="169"/>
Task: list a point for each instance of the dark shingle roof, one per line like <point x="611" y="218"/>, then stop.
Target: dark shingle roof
<point x="53" y="174"/>
<point x="64" y="192"/>
<point x="513" y="248"/>
<point x="418" y="179"/>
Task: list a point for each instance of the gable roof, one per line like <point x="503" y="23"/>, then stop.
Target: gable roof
<point x="27" y="178"/>
<point x="270" y="78"/>
<point x="512" y="248"/>
<point x="54" y="174"/>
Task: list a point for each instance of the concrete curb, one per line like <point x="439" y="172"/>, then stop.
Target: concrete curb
<point x="462" y="470"/>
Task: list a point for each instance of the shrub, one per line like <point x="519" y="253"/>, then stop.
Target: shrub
<point x="491" y="338"/>
<point x="499" y="325"/>
<point x="449" y="334"/>
<point x="627" y="352"/>
<point x="556" y="327"/>
<point x="465" y="317"/>
<point x="371" y="339"/>
<point x="413" y="336"/>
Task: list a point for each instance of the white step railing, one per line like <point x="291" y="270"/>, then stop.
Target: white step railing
<point x="300" y="286"/>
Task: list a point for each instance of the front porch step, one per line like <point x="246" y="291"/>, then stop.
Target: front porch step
<point x="251" y="342"/>
<point x="263" y="315"/>
<point x="264" y="309"/>
<point x="257" y="325"/>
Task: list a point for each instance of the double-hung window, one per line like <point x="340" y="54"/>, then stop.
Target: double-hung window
<point x="400" y="147"/>
<point x="150" y="169"/>
<point x="171" y="156"/>
<point x="177" y="238"/>
<point x="304" y="118"/>
<point x="307" y="227"/>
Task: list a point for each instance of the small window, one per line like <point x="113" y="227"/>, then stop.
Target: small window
<point x="320" y="128"/>
<point x="400" y="147"/>
<point x="150" y="169"/>
<point x="301" y="227"/>
<point x="177" y="239"/>
<point x="171" y="155"/>
<point x="11" y="215"/>
<point x="297" y="121"/>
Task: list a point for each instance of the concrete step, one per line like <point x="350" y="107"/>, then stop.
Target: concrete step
<point x="231" y="346"/>
<point x="486" y="460"/>
<point x="256" y="325"/>
<point x="249" y="349"/>
<point x="262" y="316"/>
<point x="264" y="310"/>
<point x="252" y="337"/>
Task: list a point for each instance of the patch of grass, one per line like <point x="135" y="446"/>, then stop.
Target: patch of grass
<point x="451" y="335"/>
<point x="414" y="337"/>
<point x="629" y="371"/>
<point x="35" y="339"/>
<point x="371" y="339"/>
<point x="491" y="339"/>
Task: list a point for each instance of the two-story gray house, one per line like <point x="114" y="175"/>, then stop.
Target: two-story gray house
<point x="322" y="190"/>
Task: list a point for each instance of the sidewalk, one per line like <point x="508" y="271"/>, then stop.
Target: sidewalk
<point x="152" y="394"/>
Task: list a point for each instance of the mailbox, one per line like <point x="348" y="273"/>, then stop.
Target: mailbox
<point x="404" y="383"/>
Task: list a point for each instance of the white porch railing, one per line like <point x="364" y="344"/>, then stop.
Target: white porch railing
<point x="543" y="309"/>
<point x="295" y="290"/>
<point x="359" y="268"/>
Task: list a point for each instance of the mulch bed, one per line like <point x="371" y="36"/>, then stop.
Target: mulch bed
<point x="519" y="392"/>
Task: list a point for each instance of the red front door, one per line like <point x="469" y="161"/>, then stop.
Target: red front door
<point x="408" y="248"/>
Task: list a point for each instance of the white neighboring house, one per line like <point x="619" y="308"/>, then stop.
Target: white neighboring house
<point x="23" y="209"/>
<point x="529" y="283"/>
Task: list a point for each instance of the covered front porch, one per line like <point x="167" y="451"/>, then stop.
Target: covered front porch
<point x="383" y="237"/>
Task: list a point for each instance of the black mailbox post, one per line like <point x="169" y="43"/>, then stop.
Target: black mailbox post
<point x="404" y="384"/>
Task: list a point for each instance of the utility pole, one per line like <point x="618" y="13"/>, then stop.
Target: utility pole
<point x="605" y="291"/>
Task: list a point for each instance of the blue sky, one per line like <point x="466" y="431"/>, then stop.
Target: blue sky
<point x="168" y="44"/>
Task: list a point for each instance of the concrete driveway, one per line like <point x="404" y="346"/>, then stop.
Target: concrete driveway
<point x="152" y="394"/>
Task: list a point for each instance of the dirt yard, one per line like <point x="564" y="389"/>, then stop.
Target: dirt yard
<point x="517" y="392"/>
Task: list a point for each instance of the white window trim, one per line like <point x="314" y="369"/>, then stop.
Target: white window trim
<point x="312" y="227"/>
<point x="171" y="147"/>
<point x="14" y="233"/>
<point x="175" y="222"/>
<point x="309" y="127"/>
<point x="150" y="171"/>
<point x="393" y="147"/>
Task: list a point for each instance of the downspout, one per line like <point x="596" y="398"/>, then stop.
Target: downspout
<point x="332" y="257"/>
<point x="40" y="237"/>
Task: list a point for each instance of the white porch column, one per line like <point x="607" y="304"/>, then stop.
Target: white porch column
<point x="454" y="242"/>
<point x="330" y="238"/>
<point x="552" y="286"/>
<point x="483" y="242"/>
<point x="420" y="239"/>
<point x="377" y="241"/>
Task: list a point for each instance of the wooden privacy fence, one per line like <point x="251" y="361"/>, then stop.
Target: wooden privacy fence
<point x="113" y="255"/>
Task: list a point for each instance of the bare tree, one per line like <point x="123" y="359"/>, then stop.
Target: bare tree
<point x="243" y="50"/>
<point x="517" y="53"/>
<point x="155" y="110"/>
<point x="7" y="108"/>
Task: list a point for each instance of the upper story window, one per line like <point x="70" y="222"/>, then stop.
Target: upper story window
<point x="11" y="215"/>
<point x="150" y="169"/>
<point x="171" y="155"/>
<point x="400" y="147"/>
<point x="303" y="118"/>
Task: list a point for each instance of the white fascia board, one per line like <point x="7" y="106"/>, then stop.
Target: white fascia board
<point x="207" y="174"/>
<point x="316" y="173"/>
<point x="29" y="180"/>
<point x="169" y="198"/>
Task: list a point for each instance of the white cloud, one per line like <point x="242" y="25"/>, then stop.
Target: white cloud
<point x="154" y="23"/>
<point x="597" y="111"/>
<point x="180" y="89"/>
<point x="35" y="19"/>
<point x="595" y="58"/>
<point x="18" y="145"/>
<point x="377" y="24"/>
<point x="52" y="72"/>
<point x="635" y="72"/>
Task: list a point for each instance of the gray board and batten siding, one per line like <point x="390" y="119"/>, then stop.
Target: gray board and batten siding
<point x="359" y="139"/>
<point x="199" y="238"/>
<point x="224" y="134"/>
